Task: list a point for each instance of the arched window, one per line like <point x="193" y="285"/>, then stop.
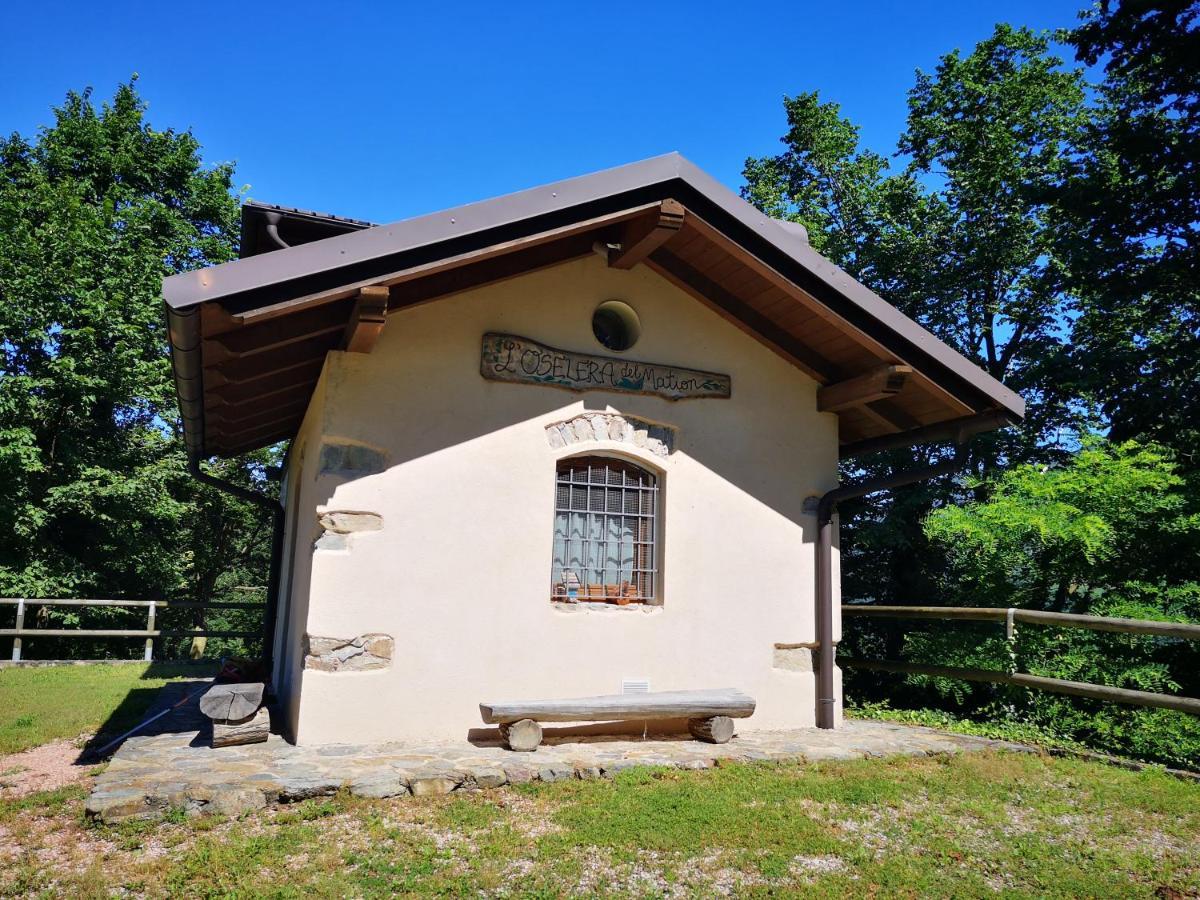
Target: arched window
<point x="605" y="521"/>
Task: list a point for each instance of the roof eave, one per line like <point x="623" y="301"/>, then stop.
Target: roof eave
<point x="295" y="271"/>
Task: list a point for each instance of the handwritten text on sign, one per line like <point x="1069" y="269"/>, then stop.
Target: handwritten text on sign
<point x="507" y="357"/>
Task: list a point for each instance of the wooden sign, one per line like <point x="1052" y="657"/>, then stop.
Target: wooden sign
<point x="507" y="357"/>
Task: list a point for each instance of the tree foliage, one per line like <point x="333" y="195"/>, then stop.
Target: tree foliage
<point x="1114" y="531"/>
<point x="94" y="212"/>
<point x="1129" y="223"/>
<point x="1046" y="227"/>
<point x="961" y="238"/>
<point x="1062" y="537"/>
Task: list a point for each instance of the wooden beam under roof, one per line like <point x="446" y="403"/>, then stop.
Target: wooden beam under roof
<point x="742" y="315"/>
<point x="490" y="271"/>
<point x="367" y="319"/>
<point x="818" y="308"/>
<point x="877" y="384"/>
<point x="237" y="415"/>
<point x="287" y="424"/>
<point x="448" y="264"/>
<point x="226" y="391"/>
<point x="311" y="349"/>
<point x="644" y="235"/>
<point x="239" y="342"/>
<point x="888" y="416"/>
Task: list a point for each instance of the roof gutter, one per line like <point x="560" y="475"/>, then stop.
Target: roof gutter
<point x="826" y="507"/>
<point x="183" y="331"/>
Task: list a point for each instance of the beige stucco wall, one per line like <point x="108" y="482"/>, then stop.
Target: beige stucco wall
<point x="459" y="573"/>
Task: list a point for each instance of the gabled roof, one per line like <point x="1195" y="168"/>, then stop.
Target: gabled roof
<point x="249" y="337"/>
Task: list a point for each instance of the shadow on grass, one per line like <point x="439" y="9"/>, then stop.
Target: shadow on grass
<point x="172" y="708"/>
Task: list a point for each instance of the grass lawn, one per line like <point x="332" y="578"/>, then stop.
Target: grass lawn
<point x="971" y="825"/>
<point x="38" y="705"/>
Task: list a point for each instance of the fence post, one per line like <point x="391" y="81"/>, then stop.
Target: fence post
<point x="149" y="654"/>
<point x="16" y="654"/>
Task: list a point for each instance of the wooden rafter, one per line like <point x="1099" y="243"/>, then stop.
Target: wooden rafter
<point x="877" y="384"/>
<point x="236" y="416"/>
<point x="801" y="293"/>
<point x="885" y="417"/>
<point x="229" y="391"/>
<point x="743" y="316"/>
<point x="366" y="319"/>
<point x="287" y="423"/>
<point x="644" y="235"/>
<point x="240" y="342"/>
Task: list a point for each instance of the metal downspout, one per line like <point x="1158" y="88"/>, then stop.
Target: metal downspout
<point x="826" y="507"/>
<point x="273" y="220"/>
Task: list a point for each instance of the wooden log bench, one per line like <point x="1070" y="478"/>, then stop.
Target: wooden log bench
<point x="237" y="713"/>
<point x="710" y="713"/>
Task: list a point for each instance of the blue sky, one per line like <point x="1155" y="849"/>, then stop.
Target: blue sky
<point x="383" y="111"/>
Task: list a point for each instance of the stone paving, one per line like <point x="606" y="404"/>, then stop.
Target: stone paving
<point x="173" y="768"/>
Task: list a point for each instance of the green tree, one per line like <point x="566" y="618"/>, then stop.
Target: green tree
<point x="94" y="212"/>
<point x="1129" y="223"/>
<point x="1113" y="531"/>
<point x="1115" y="523"/>
<point x="961" y="239"/>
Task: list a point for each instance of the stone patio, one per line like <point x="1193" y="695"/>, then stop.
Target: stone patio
<point x="173" y="768"/>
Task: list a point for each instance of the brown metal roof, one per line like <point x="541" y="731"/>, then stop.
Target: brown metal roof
<point x="249" y="337"/>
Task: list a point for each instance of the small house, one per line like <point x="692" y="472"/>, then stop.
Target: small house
<point x="564" y="442"/>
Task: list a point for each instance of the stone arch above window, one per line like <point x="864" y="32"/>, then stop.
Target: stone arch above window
<point x="657" y="439"/>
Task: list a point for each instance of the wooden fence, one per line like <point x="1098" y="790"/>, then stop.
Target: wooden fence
<point x="1038" y="682"/>
<point x="149" y="633"/>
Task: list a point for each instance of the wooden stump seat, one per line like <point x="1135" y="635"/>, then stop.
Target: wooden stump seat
<point x="710" y="713"/>
<point x="237" y="713"/>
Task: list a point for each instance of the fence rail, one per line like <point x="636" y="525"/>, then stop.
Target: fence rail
<point x="1030" y="616"/>
<point x="150" y="633"/>
<point x="1009" y="616"/>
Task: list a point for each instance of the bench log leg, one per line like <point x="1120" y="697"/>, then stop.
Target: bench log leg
<point x="524" y="735"/>
<point x="715" y="730"/>
<point x="254" y="729"/>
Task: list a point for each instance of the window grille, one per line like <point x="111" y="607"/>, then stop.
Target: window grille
<point x="605" y="515"/>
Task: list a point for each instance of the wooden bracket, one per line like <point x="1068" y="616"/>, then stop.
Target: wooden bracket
<point x="366" y="319"/>
<point x="863" y="389"/>
<point x="645" y="235"/>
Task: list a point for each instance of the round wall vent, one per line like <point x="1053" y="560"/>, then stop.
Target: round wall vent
<point x="616" y="325"/>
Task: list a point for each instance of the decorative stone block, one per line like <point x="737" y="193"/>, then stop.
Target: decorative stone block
<point x="658" y="439"/>
<point x="347" y="521"/>
<point x="339" y="524"/>
<point x="793" y="659"/>
<point x="359" y="654"/>
<point x="331" y="540"/>
<point x="350" y="460"/>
